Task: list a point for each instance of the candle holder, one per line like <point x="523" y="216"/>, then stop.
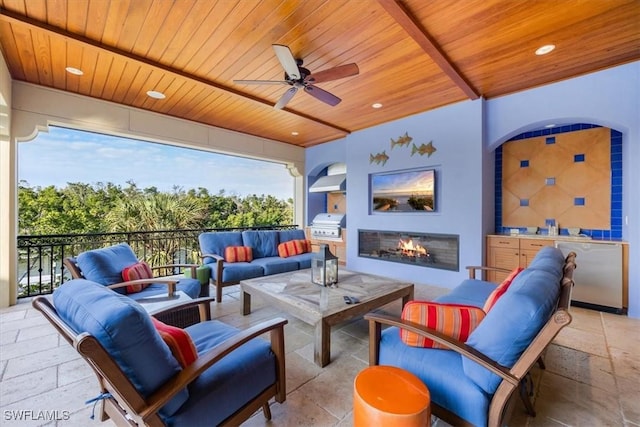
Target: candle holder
<point x="324" y="267"/>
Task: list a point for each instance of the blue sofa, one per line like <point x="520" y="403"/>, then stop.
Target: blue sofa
<point x="471" y="383"/>
<point x="266" y="261"/>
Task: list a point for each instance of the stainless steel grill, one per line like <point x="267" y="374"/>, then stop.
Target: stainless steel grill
<point x="327" y="226"/>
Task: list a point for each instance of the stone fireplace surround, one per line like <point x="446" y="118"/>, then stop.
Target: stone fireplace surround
<point x="430" y="250"/>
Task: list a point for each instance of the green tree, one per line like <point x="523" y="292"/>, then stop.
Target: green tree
<point x="153" y="211"/>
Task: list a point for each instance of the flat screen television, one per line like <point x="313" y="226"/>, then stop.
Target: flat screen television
<point x="403" y="191"/>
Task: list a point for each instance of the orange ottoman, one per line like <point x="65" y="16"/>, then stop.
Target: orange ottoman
<point x="389" y="396"/>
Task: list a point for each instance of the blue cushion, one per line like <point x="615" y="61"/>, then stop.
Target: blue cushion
<point x="105" y="265"/>
<point x="303" y="260"/>
<point x="469" y="292"/>
<point x="126" y="332"/>
<point x="230" y="383"/>
<point x="286" y="235"/>
<point x="190" y="287"/>
<point x="216" y="242"/>
<point x="441" y="371"/>
<point x="512" y="323"/>
<point x="276" y="265"/>
<point x="549" y="259"/>
<point x="264" y="242"/>
<point x="236" y="271"/>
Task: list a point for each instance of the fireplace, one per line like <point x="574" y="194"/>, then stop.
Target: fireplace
<point x="423" y="249"/>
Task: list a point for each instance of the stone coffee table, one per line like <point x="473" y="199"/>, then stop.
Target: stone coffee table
<point x="322" y="307"/>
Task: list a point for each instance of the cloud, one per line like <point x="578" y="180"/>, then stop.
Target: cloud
<point x="63" y="155"/>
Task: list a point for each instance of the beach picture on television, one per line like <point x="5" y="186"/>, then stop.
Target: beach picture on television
<point x="407" y="191"/>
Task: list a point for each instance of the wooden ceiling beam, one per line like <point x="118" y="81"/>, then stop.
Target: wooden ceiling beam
<point x="15" y="18"/>
<point x="402" y="16"/>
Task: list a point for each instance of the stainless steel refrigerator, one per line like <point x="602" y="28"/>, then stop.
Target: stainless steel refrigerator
<point x="598" y="276"/>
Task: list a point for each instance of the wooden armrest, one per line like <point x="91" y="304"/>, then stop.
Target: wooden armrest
<point x="472" y="270"/>
<point x="158" y="399"/>
<point x="202" y="303"/>
<point x="169" y="281"/>
<point x="453" y="344"/>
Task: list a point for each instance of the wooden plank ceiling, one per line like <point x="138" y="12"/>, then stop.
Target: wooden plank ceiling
<point x="413" y="55"/>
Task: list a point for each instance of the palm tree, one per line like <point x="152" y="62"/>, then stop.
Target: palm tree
<point x="154" y="211"/>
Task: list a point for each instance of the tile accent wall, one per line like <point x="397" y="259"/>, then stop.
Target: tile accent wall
<point x="605" y="228"/>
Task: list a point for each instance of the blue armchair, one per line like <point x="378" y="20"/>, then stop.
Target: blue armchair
<point x="235" y="373"/>
<point x="105" y="266"/>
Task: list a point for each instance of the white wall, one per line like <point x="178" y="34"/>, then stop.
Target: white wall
<point x="610" y="98"/>
<point x="8" y="189"/>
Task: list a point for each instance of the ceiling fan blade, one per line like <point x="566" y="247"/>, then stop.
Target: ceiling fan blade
<point x="287" y="61"/>
<point x="335" y="73"/>
<point x="322" y="95"/>
<point x="260" y="82"/>
<point x="286" y="98"/>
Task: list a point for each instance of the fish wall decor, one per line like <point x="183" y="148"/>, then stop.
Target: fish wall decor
<point x="402" y="141"/>
<point x="378" y="158"/>
<point x="423" y="149"/>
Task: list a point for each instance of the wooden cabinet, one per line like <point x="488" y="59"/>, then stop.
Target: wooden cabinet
<point x="338" y="248"/>
<point x="510" y="252"/>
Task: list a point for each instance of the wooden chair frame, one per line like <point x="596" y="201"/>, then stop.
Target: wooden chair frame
<point x="512" y="378"/>
<point x="127" y="407"/>
<point x="217" y="280"/>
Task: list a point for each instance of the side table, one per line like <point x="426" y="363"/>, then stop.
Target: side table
<point x="391" y="397"/>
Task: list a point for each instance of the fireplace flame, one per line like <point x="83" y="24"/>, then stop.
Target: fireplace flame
<point x="409" y="249"/>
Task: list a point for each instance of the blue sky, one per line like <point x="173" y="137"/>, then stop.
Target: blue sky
<point x="63" y="155"/>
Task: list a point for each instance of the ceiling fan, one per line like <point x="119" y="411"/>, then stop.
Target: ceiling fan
<point x="298" y="77"/>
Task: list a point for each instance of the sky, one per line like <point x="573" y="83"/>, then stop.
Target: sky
<point x="404" y="183"/>
<point x="64" y="155"/>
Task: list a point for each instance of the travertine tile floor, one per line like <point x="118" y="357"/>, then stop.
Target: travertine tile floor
<point x="592" y="376"/>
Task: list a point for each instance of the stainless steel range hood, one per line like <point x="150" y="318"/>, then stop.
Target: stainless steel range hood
<point x="330" y="183"/>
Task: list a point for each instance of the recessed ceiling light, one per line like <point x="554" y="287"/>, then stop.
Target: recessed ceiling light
<point x="155" y="94"/>
<point x="75" y="71"/>
<point x="376" y="105"/>
<point x="294" y="133"/>
<point x="543" y="50"/>
<point x="550" y="125"/>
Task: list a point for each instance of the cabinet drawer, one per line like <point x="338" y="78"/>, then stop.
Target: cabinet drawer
<point x="502" y="242"/>
<point x="535" y="244"/>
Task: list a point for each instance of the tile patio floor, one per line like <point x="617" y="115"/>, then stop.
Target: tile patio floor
<point x="592" y="376"/>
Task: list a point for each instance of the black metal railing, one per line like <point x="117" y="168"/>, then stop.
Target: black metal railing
<point x="40" y="267"/>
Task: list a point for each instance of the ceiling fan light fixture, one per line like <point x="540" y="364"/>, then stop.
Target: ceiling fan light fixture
<point x="155" y="94"/>
<point x="547" y="48"/>
<point x="74" y="71"/>
<point x="376" y="105"/>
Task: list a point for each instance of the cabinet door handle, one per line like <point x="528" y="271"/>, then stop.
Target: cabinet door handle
<point x="536" y="244"/>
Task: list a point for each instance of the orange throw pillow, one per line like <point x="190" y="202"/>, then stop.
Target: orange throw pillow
<point x="139" y="270"/>
<point x="500" y="290"/>
<point x="179" y="342"/>
<point x="238" y="254"/>
<point x="292" y="247"/>
<point x="456" y="321"/>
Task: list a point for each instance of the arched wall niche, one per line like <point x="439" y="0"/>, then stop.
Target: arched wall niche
<point x="557" y="122"/>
